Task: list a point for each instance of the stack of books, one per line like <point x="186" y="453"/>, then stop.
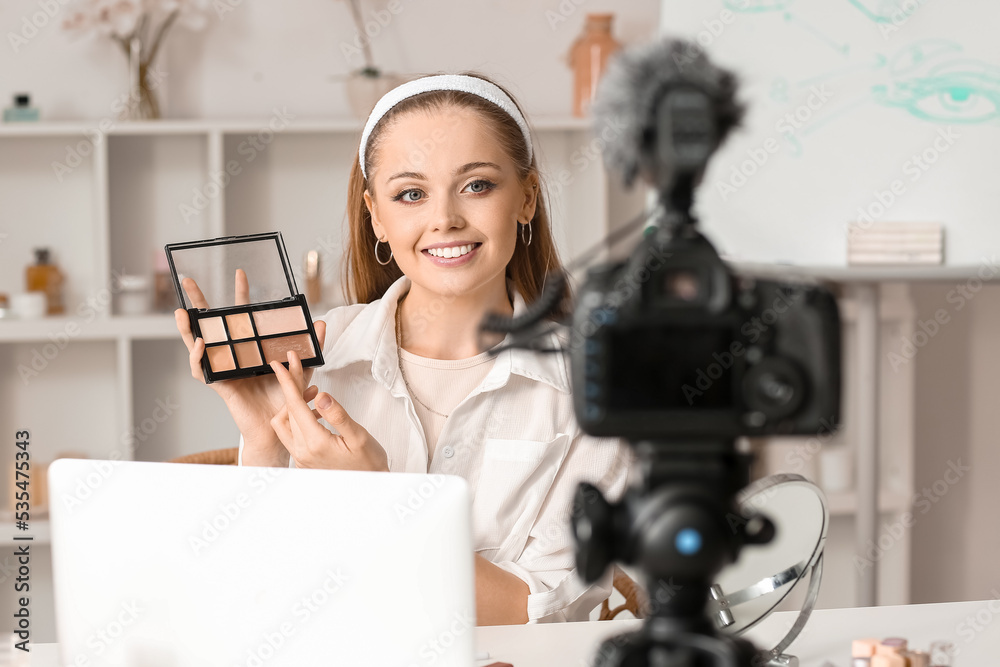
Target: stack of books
<point x="895" y="243"/>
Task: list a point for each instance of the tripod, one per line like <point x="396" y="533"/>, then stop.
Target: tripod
<point x="680" y="526"/>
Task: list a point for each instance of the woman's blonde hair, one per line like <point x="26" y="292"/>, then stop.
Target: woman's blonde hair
<point x="365" y="280"/>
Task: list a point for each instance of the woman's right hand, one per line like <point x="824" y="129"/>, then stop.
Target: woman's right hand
<point x="252" y="402"/>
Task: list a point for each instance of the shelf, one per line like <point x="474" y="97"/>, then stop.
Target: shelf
<point x="55" y="329"/>
<point x="294" y="124"/>
<point x="38" y="529"/>
<point x="866" y="274"/>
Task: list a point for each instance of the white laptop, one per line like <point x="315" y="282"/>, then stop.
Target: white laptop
<point x="184" y="565"/>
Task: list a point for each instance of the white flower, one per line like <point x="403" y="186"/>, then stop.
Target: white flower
<point x="119" y="18"/>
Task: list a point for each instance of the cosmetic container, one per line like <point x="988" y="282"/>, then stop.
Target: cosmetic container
<point x="22" y="111"/>
<point x="133" y="295"/>
<point x="45" y="277"/>
<point x="28" y="305"/>
<point x="243" y="331"/>
<point x="862" y="651"/>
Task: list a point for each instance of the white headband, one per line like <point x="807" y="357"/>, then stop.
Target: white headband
<point x="467" y="84"/>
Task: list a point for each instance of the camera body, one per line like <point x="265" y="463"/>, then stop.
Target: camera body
<point x="671" y="345"/>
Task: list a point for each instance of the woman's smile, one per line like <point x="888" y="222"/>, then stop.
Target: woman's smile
<point x="451" y="254"/>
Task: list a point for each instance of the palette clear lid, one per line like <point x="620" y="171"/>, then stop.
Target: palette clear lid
<point x="213" y="265"/>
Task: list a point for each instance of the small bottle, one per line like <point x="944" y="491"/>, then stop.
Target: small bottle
<point x="314" y="285"/>
<point x="46" y="277"/>
<point x="164" y="297"/>
<point x="22" y="110"/>
<point x="917" y="659"/>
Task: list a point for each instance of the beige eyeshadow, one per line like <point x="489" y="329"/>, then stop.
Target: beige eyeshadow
<point x="239" y="326"/>
<point x="220" y="358"/>
<point x="212" y="330"/>
<point x="247" y="354"/>
<point x="279" y="320"/>
<point x="276" y="349"/>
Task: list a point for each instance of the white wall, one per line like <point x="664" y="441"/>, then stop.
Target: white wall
<point x="956" y="541"/>
<point x="267" y="53"/>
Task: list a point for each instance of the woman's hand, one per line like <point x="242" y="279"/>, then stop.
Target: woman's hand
<point x="310" y="443"/>
<point x="252" y="402"/>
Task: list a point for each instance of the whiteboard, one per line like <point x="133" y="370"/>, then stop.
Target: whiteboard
<point x="847" y="100"/>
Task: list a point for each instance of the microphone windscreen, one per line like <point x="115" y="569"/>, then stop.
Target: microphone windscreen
<point x="625" y="103"/>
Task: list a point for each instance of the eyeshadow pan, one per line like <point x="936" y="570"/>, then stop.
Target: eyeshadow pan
<point x="220" y="358"/>
<point x="239" y="326"/>
<point x="279" y="320"/>
<point x="212" y="330"/>
<point x="247" y="354"/>
<point x="276" y="349"/>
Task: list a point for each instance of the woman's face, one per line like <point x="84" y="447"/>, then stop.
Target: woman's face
<point x="447" y="201"/>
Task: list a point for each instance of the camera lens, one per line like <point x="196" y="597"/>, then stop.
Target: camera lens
<point x="774" y="387"/>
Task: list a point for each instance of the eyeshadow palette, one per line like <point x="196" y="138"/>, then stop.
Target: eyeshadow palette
<point x="241" y="296"/>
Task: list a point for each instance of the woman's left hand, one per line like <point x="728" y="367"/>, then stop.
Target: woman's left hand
<point x="310" y="443"/>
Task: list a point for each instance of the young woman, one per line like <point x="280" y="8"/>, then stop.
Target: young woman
<point x="447" y="223"/>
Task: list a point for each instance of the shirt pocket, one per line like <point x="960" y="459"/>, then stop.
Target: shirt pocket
<point x="515" y="478"/>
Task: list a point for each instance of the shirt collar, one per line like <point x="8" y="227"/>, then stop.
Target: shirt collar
<point x="371" y="337"/>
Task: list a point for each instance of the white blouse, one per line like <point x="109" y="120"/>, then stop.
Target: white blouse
<point x="514" y="440"/>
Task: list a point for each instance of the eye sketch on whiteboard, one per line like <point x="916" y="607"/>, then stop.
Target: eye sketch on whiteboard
<point x="861" y="110"/>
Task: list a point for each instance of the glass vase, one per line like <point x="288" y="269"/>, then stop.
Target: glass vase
<point x="142" y="103"/>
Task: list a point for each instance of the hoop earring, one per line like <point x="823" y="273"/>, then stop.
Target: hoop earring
<point x="377" y="241"/>
<point x="530" y="235"/>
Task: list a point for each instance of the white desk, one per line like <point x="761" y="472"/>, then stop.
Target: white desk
<point x="826" y="639"/>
